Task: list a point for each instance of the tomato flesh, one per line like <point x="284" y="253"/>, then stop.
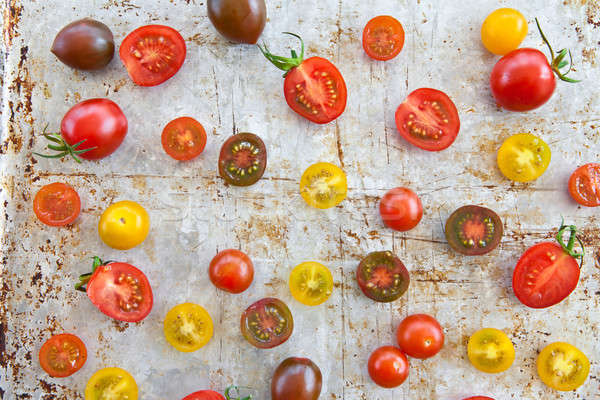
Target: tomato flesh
<point x="152" y="54"/>
<point x="323" y="185"/>
<point x="316" y="90"/>
<point x="183" y="138"/>
<point x="62" y="355"/>
<point x="383" y="38"/>
<point x="204" y="395"/>
<point x="584" y="185"/>
<point x="243" y="159"/>
<point x="311" y="283"/>
<point x="382" y="276"/>
<point x="479" y="398"/>
<point x="231" y="270"/>
<point x="428" y="119"/>
<point x="490" y="350"/>
<point x="188" y="327"/>
<point x="545" y="275"/>
<point x="267" y="323"/>
<point x="523" y="157"/>
<point x="474" y="230"/>
<point x="113" y="384"/>
<point x="420" y="336"/>
<point x="563" y="366"/>
<point x="57" y="204"/>
<point x="121" y="291"/>
<point x="388" y="367"/>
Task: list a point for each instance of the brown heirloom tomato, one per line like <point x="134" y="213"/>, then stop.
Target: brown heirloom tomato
<point x="243" y="159"/>
<point x="474" y="230"/>
<point x="382" y="276"/>
<point x="267" y="323"/>
<point x="241" y="21"/>
<point x="86" y="44"/>
<point x="296" y="379"/>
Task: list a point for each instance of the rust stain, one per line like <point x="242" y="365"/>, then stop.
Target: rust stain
<point x="589" y="56"/>
<point x="12" y="16"/>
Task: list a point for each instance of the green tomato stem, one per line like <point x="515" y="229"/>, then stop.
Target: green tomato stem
<point x="235" y="396"/>
<point x="558" y="62"/>
<point x="284" y="63"/>
<point x="568" y="248"/>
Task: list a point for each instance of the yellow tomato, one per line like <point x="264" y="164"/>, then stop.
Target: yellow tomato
<point x="311" y="283"/>
<point x="503" y="31"/>
<point x="124" y="225"/>
<point x="111" y="383"/>
<point x="490" y="350"/>
<point x="563" y="366"/>
<point x="523" y="157"/>
<point x="323" y="185"/>
<point x="188" y="327"/>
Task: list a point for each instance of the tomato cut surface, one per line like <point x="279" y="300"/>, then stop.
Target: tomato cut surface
<point x="311" y="283"/>
<point x="490" y="350"/>
<point x="563" y="366"/>
<point x="382" y="276"/>
<point x="267" y="323"/>
<point x="584" y="185"/>
<point x="523" y="157"/>
<point x="479" y="398"/>
<point x="62" y="355"/>
<point x="428" y="119"/>
<point x="204" y="395"/>
<point x="243" y="159"/>
<point x="113" y="384"/>
<point x="57" y="204"/>
<point x="323" y="185"/>
<point x="183" y="138"/>
<point x="383" y="38"/>
<point x="188" y="327"/>
<point x="152" y="54"/>
<point x="474" y="230"/>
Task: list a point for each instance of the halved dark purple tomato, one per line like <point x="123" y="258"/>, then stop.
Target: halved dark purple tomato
<point x="474" y="230"/>
<point x="243" y="159"/>
<point x="382" y="276"/>
<point x="267" y="323"/>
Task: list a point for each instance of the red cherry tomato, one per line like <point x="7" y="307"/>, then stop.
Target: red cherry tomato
<point x="183" y="138"/>
<point x="428" y="119"/>
<point x="152" y="54"/>
<point x="479" y="398"/>
<point x="62" y="355"/>
<point x="383" y="38"/>
<point x="204" y="395"/>
<point x="231" y="270"/>
<point x="584" y="185"/>
<point x="388" y="367"/>
<point x="57" y="204"/>
<point x="420" y="336"/>
<point x="401" y="209"/>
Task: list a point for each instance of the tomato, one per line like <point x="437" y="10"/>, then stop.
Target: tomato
<point x="584" y="185"/>
<point x="188" y="327"/>
<point x="241" y="21"/>
<point x="62" y="355"/>
<point x="267" y="323"/>
<point x="474" y="230"/>
<point x="204" y="395"/>
<point x="490" y="350"/>
<point x="383" y="38"/>
<point x="479" y="398"/>
<point x="323" y="185"/>
<point x="420" y="336"/>
<point x="401" y="209"/>
<point x="85" y="44"/>
<point x="91" y="129"/>
<point x="313" y="88"/>
<point x="111" y="383"/>
<point x="296" y="378"/>
<point x="124" y="225"/>
<point x="382" y="276"/>
<point x="152" y="54"/>
<point x="183" y="138"/>
<point x="57" y="204"/>
<point x="119" y="290"/>
<point x="503" y="30"/>
<point x="231" y="270"/>
<point x="563" y="366"/>
<point x="243" y="159"/>
<point x="388" y="367"/>
<point x="523" y="157"/>
<point x="311" y="283"/>
<point x="428" y="119"/>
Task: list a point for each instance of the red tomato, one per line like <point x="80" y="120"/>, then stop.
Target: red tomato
<point x="62" y="355"/>
<point x="57" y="204"/>
<point x="313" y="88"/>
<point x="479" y="398"/>
<point x="428" y="119"/>
<point x="584" y="185"/>
<point x="388" y="367"/>
<point x="119" y="290"/>
<point x="383" y="38"/>
<point x="183" y="138"/>
<point x="204" y="395"/>
<point x="420" y="336"/>
<point x="231" y="270"/>
<point x="401" y="209"/>
<point x="152" y="54"/>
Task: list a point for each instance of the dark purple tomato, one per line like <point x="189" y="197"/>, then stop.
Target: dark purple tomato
<point x="296" y="379"/>
<point x="382" y="276"/>
<point x="243" y="159"/>
<point x="241" y="21"/>
<point x="474" y="230"/>
<point x="84" y="44"/>
<point x="267" y="323"/>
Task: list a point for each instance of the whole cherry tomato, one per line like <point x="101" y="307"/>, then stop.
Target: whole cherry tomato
<point x="296" y="378"/>
<point x="388" y="367"/>
<point x="420" y="336"/>
<point x="479" y="398"/>
<point x="85" y="44"/>
<point x="124" y="225"/>
<point x="241" y="21"/>
<point x="503" y="30"/>
<point x="231" y="270"/>
<point x="401" y="209"/>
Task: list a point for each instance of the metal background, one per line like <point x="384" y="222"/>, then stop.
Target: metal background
<point x="231" y="88"/>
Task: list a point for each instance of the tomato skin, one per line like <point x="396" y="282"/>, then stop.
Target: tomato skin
<point x="522" y="80"/>
<point x="184" y="138"/>
<point x="56" y="349"/>
<point x="100" y="122"/>
<point x="478" y="398"/>
<point x="562" y="366"/>
<point x="388" y="367"/>
<point x="57" y="204"/>
<point x="241" y="21"/>
<point x="503" y="30"/>
<point x="584" y="185"/>
<point x="420" y="336"/>
<point x="296" y="378"/>
<point x="383" y="38"/>
<point x="401" y="209"/>
<point x="231" y="270"/>
<point x="546" y="262"/>
<point x="204" y="395"/>
<point x="124" y="225"/>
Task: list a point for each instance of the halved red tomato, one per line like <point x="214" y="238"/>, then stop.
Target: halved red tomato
<point x="62" y="355"/>
<point x="383" y="38"/>
<point x="428" y="119"/>
<point x="152" y="54"/>
<point x="204" y="395"/>
<point x="57" y="204"/>
<point x="119" y="290"/>
<point x="584" y="185"/>
<point x="479" y="398"/>
<point x="267" y="323"/>
<point x="183" y="138"/>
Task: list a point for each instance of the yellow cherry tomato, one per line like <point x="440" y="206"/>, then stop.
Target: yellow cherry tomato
<point x="523" y="157"/>
<point x="323" y="185"/>
<point x="188" y="327"/>
<point x="111" y="383"/>
<point x="311" y="283"/>
<point x="503" y="31"/>
<point x="490" y="350"/>
<point x="124" y="225"/>
<point x="563" y="366"/>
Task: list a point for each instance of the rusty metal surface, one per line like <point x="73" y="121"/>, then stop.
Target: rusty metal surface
<point x="193" y="214"/>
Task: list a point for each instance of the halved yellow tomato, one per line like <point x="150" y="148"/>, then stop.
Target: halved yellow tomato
<point x="124" y="225"/>
<point x="563" y="366"/>
<point x="188" y="327"/>
<point x="523" y="157"/>
<point x="490" y="350"/>
<point x="311" y="283"/>
<point x="111" y="383"/>
<point x="323" y="185"/>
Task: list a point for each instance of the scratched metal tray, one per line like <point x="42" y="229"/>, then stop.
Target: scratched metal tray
<point x="231" y="88"/>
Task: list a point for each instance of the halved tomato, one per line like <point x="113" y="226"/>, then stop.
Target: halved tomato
<point x="183" y="138"/>
<point x="323" y="185"/>
<point x="243" y="159"/>
<point x="563" y="366"/>
<point x="204" y="395"/>
<point x="152" y="54"/>
<point x="523" y="157"/>
<point x="383" y="38"/>
<point x="57" y="204"/>
<point x="62" y="355"/>
<point x="382" y="276"/>
<point x="111" y="383"/>
<point x="188" y="327"/>
<point x="267" y="323"/>
<point x="490" y="350"/>
<point x="428" y="119"/>
<point x="474" y="230"/>
<point x="311" y="283"/>
<point x="479" y="398"/>
<point x="584" y="185"/>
